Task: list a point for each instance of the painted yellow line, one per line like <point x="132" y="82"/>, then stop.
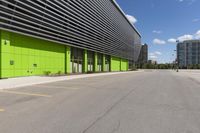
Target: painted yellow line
<point x="2" y="110"/>
<point x="25" y="93"/>
<point x="56" y="87"/>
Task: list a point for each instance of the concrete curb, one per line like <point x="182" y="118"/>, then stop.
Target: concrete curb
<point x="34" y="80"/>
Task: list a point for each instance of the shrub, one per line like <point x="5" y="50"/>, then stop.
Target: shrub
<point x="59" y="73"/>
<point x="47" y="73"/>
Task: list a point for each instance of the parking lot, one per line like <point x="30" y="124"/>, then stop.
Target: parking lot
<point x="149" y="101"/>
<point x="41" y="106"/>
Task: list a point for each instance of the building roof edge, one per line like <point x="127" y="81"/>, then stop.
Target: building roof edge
<point x="122" y="12"/>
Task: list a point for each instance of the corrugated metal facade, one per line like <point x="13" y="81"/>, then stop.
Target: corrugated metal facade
<point x="97" y="25"/>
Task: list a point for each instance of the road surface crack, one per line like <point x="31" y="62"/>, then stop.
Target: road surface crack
<point x="117" y="127"/>
<point x="109" y="110"/>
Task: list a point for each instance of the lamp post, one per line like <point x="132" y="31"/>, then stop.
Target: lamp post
<point x="173" y="62"/>
<point x="176" y="62"/>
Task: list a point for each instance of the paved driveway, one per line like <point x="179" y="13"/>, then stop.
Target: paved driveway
<point x="145" y="102"/>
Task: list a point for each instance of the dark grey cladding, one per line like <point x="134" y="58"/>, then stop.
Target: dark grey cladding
<point x="97" y="25"/>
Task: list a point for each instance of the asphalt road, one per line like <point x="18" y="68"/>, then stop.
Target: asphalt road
<point x="144" y="102"/>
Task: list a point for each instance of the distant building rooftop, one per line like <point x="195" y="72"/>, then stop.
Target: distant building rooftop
<point x="196" y="40"/>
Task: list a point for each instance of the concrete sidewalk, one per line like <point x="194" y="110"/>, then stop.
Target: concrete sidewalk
<point x="33" y="80"/>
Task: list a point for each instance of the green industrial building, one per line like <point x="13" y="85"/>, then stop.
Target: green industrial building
<point x="65" y="37"/>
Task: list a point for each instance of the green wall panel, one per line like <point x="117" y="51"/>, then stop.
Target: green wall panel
<point x="104" y="63"/>
<point x="26" y="56"/>
<point x="5" y="55"/>
<point x="115" y="64"/>
<point x="68" y="60"/>
<point x="124" y="65"/>
<point x="0" y="52"/>
<point x="85" y="62"/>
<point x="118" y="64"/>
<point x="95" y="62"/>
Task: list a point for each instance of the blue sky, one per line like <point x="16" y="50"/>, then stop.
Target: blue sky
<point x="162" y="22"/>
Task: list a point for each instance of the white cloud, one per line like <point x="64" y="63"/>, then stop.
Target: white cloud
<point x="157" y="31"/>
<point x="158" y="41"/>
<point x="155" y="55"/>
<point x="185" y="37"/>
<point x="196" y="20"/>
<point x="180" y="38"/>
<point x="188" y="1"/>
<point x="151" y="54"/>
<point x="197" y="35"/>
<point x="158" y="53"/>
<point x="131" y="18"/>
<point x="171" y="40"/>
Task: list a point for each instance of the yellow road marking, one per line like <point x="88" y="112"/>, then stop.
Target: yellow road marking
<point x="57" y="87"/>
<point x="2" y="110"/>
<point x="25" y="93"/>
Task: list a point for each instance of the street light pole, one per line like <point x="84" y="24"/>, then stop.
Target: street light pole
<point x="173" y="62"/>
<point x="176" y="61"/>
